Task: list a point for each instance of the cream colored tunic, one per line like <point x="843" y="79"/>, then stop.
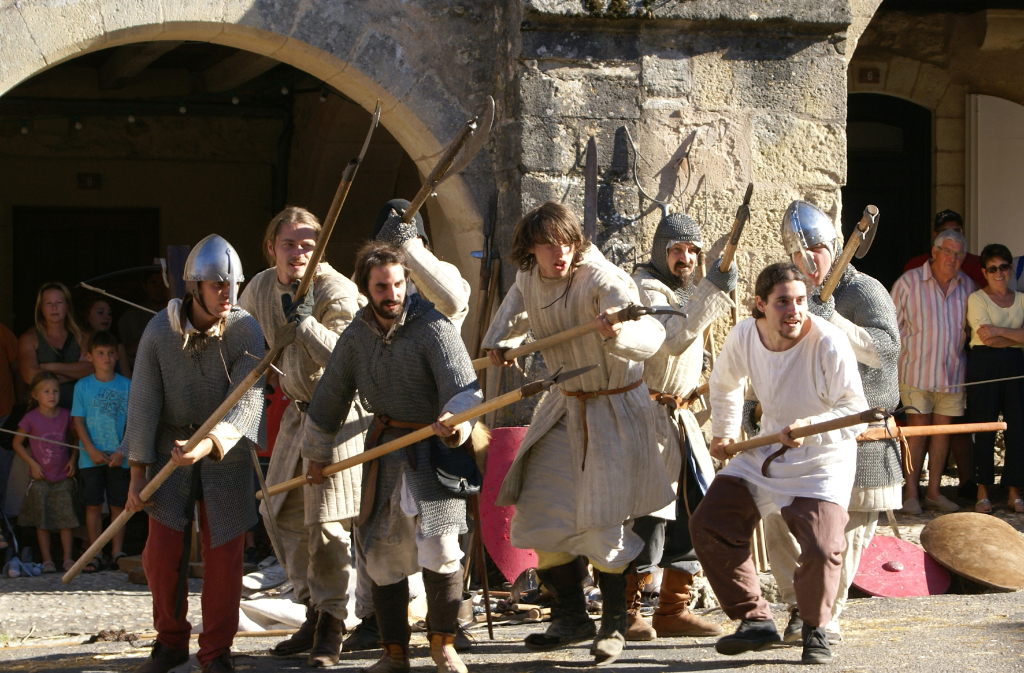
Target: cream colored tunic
<point x="439" y="282"/>
<point x="675" y="369"/>
<point x="624" y="476"/>
<point x="335" y="303"/>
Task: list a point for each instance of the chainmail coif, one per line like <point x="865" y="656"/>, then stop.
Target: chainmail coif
<point x="409" y="376"/>
<point x="673" y="227"/>
<point x="174" y="390"/>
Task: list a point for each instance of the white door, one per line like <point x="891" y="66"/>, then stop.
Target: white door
<point x="995" y="170"/>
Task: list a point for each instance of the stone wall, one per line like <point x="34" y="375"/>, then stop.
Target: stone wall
<point x="936" y="60"/>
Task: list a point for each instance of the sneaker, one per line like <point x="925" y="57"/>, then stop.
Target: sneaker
<point x="911" y="506"/>
<point x="751" y="635"/>
<point x="816" y="649"/>
<point x="942" y="503"/>
<point x="794" y="630"/>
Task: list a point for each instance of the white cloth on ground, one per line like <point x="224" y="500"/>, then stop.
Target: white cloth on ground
<point x="817" y="379"/>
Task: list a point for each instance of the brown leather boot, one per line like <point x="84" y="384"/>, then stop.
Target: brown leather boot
<point x="301" y="640"/>
<point x="673" y="616"/>
<point x="395" y="659"/>
<point x="442" y="651"/>
<point x="162" y="659"/>
<point x="637" y="627"/>
<point x="326" y="641"/>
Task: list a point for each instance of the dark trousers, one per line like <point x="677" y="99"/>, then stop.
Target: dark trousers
<point x="722" y="527"/>
<point x="222" y="588"/>
<point x="984" y="404"/>
<point x="667" y="543"/>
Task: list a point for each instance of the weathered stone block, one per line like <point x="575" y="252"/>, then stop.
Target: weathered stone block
<point x="581" y="92"/>
<point x="949" y="168"/>
<point x="272" y="16"/>
<point x="331" y="26"/>
<point x="62" y="29"/>
<point x="21" y="57"/>
<point x="547" y="146"/>
<point x="119" y="15"/>
<point x="716" y="88"/>
<point x="949" y="134"/>
<point x="932" y="82"/>
<point x="436" y="108"/>
<point x="190" y="11"/>
<point x="581" y="45"/>
<point x="953" y="103"/>
<point x="833" y="14"/>
<point x="949" y="196"/>
<point x="383" y="60"/>
<point x="902" y="76"/>
<point x="665" y="76"/>
<point x="796" y="151"/>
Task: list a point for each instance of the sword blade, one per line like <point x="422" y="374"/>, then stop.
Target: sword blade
<point x="590" y="191"/>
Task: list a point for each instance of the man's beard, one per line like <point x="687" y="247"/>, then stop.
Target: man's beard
<point x="683" y="276"/>
<point x="390" y="311"/>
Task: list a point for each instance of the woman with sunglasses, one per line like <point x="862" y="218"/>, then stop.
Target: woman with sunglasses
<point x="996" y="318"/>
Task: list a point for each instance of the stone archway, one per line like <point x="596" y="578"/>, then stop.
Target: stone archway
<point x="337" y="44"/>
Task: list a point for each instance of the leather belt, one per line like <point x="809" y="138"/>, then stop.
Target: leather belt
<point x="381" y="423"/>
<point x="673" y="402"/>
<point x="583" y="396"/>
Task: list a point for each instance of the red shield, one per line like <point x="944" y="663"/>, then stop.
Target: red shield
<point x="892" y="568"/>
<point x="496" y="521"/>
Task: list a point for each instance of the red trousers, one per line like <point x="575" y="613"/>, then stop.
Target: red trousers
<point x="222" y="588"/>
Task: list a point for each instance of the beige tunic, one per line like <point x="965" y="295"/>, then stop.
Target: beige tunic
<point x="624" y="476"/>
<point x="439" y="282"/>
<point x="335" y="303"/>
<point x="675" y="369"/>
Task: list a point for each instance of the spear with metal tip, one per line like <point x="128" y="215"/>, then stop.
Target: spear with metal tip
<point x="529" y="390"/>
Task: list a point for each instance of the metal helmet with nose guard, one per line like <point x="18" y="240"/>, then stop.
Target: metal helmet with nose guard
<point x="213" y="260"/>
<point x="805" y="226"/>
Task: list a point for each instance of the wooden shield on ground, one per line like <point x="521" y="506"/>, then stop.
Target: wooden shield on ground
<point x="496" y="521"/>
<point x="978" y="546"/>
<point x="892" y="568"/>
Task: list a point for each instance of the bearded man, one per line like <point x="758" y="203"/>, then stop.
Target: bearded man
<point x="672" y="375"/>
<point x="412" y="371"/>
<point x="805" y="371"/>
<point x="590" y="459"/>
<point x="190" y="358"/>
<point x="314" y="522"/>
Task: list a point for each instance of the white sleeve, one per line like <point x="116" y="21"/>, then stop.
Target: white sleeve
<point x="726" y="384"/>
<point x="439" y="282"/>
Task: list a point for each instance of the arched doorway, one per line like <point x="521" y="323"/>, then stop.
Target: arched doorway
<point x="889" y="165"/>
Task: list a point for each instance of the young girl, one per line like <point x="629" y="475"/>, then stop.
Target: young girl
<point x="49" y="502"/>
<point x="99" y="318"/>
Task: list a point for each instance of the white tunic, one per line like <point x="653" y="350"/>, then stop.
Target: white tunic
<point x="817" y="379"/>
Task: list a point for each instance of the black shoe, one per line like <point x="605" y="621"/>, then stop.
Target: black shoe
<point x="220" y="664"/>
<point x="751" y="635"/>
<point x="570" y="622"/>
<point x="463" y="641"/>
<point x="162" y="659"/>
<point x="366" y="636"/>
<point x="794" y="630"/>
<point x="816" y="649"/>
<point x="301" y="640"/>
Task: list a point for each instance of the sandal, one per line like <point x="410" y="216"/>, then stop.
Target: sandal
<point x="69" y="564"/>
<point x="95" y="565"/>
<point x="984" y="506"/>
<point x="1017" y="506"/>
<point x="114" y="561"/>
<point x="49" y="567"/>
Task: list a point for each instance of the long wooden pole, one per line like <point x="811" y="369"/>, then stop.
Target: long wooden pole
<point x="866" y="221"/>
<point x="742" y="215"/>
<point x="285" y="336"/>
<point x="869" y="416"/>
<point x="412" y="437"/>
<point x="874" y="434"/>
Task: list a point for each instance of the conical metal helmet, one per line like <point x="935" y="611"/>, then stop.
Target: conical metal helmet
<point x="804" y="226"/>
<point x="213" y="259"/>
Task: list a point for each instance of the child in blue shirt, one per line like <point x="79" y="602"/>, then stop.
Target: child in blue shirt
<point x="100" y="411"/>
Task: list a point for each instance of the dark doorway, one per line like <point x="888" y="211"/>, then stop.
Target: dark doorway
<point x="72" y="245"/>
<point x="890" y="166"/>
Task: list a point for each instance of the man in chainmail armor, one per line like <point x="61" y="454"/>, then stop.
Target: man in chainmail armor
<point x="314" y="522"/>
<point x="864" y="311"/>
<point x="590" y="459"/>
<point x="672" y="375"/>
<point x="191" y="356"/>
<point x="441" y="284"/>
<point x="411" y="370"/>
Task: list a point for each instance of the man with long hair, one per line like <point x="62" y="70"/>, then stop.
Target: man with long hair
<point x="412" y="371"/>
<point x="590" y="459"/>
<point x="804" y="372"/>
<point x="314" y="522"/>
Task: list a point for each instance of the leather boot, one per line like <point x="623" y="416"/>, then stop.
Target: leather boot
<point x="366" y="636"/>
<point x="442" y="651"/>
<point x="570" y="622"/>
<point x="394" y="660"/>
<point x="219" y="664"/>
<point x="611" y="639"/>
<point x="326" y="641"/>
<point x="637" y="627"/>
<point x="673" y="616"/>
<point x="301" y="640"/>
<point x="162" y="659"/>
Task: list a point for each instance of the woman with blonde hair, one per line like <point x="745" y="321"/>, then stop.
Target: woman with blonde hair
<point x="55" y="343"/>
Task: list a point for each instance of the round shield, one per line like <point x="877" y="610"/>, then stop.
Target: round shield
<point x="496" y="522"/>
<point x="978" y="546"/>
<point x="892" y="568"/>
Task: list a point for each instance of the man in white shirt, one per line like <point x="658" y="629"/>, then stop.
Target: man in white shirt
<point x="805" y="372"/>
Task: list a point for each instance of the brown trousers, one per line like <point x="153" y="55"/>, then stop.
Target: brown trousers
<point x="721" y="529"/>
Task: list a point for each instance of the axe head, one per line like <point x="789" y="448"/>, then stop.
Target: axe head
<point x="561" y="377"/>
<point x="867" y="227"/>
<point x="476" y="141"/>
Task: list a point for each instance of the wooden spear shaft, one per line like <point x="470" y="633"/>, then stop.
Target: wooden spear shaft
<point x="742" y="215"/>
<point x="866" y="220"/>
<point x="869" y="416"/>
<point x="874" y="434"/>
